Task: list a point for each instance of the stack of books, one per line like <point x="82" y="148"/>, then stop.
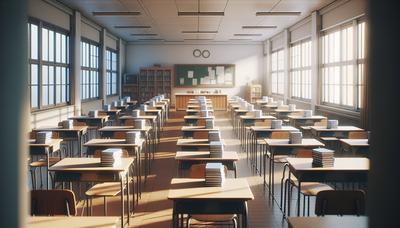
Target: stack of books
<point x="114" y="103"/>
<point x="292" y="107"/>
<point x="135" y="113"/>
<point x="204" y="113"/>
<point x="127" y="98"/>
<point x="209" y="123"/>
<point x="214" y="136"/>
<point x="216" y="149"/>
<point x="250" y="107"/>
<point x="120" y="103"/>
<point x="43" y="137"/>
<point x="308" y="113"/>
<point x="140" y="123"/>
<point x="279" y="103"/>
<point x="295" y="137"/>
<point x="215" y="175"/>
<point x="332" y="124"/>
<point x="143" y="107"/>
<point x="265" y="98"/>
<point x="152" y="103"/>
<point x="93" y="113"/>
<point x="132" y="137"/>
<point x="106" y="107"/>
<point x="322" y="157"/>
<point x="276" y="124"/>
<point x="270" y="100"/>
<point x="110" y="157"/>
<point x="68" y="124"/>
<point x="258" y="113"/>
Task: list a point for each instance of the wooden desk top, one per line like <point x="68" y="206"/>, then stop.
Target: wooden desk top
<point x="274" y="106"/>
<point x="73" y="221"/>
<point x="113" y="111"/>
<point x="316" y="117"/>
<point x="339" y="128"/>
<point x="89" y="165"/>
<point x="198" y="128"/>
<point x="124" y="129"/>
<point x="158" y="111"/>
<point x="144" y="117"/>
<point x="198" y="117"/>
<point x="355" y="142"/>
<point x="261" y="102"/>
<point x="194" y="142"/>
<point x="195" y="189"/>
<point x="340" y="164"/>
<point x="329" y="222"/>
<point x="52" y="143"/>
<point x="112" y="143"/>
<point x="201" y="94"/>
<point x="285" y="143"/>
<point x="269" y="129"/>
<point x="205" y="156"/>
<point x="287" y="110"/>
<point x="257" y="118"/>
<point x="99" y="117"/>
<point x="241" y="110"/>
<point x="191" y="106"/>
<point x="61" y="129"/>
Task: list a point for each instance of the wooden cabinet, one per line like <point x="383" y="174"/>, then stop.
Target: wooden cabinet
<point x="154" y="81"/>
<point x="219" y="101"/>
<point x="254" y="93"/>
<point x="130" y="86"/>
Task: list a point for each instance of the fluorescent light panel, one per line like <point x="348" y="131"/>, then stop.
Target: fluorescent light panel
<point x="144" y="34"/>
<point x="201" y="13"/>
<point x="116" y="13"/>
<point x="277" y="13"/>
<point x="197" y="32"/>
<point x="151" y="39"/>
<point x="198" y="39"/>
<point x="247" y="34"/>
<point x="131" y="26"/>
<point x="240" y="39"/>
<point x="259" y="26"/>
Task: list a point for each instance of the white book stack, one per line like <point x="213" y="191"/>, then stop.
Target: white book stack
<point x="201" y="98"/>
<point x="276" y="124"/>
<point x="214" y="136"/>
<point x="114" y="103"/>
<point x="308" y="113"/>
<point x="143" y="107"/>
<point x="215" y="174"/>
<point x="209" y="123"/>
<point x="162" y="96"/>
<point x="203" y="106"/>
<point x="216" y="149"/>
<point x="68" y="124"/>
<point x="323" y="157"/>
<point x="265" y="98"/>
<point x="93" y="113"/>
<point x="332" y="124"/>
<point x="106" y="107"/>
<point x="120" y="103"/>
<point x="111" y="157"/>
<point x="204" y="113"/>
<point x="43" y="137"/>
<point x="158" y="98"/>
<point x="152" y="103"/>
<point x="250" y="107"/>
<point x="132" y="137"/>
<point x="270" y="100"/>
<point x="243" y="104"/>
<point x="140" y="123"/>
<point x="279" y="103"/>
<point x="258" y="113"/>
<point x="135" y="113"/>
<point x="292" y="107"/>
<point x="295" y="137"/>
<point x="127" y="98"/>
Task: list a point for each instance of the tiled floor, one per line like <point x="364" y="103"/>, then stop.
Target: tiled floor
<point x="155" y="210"/>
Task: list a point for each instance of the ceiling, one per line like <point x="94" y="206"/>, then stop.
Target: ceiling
<point x="167" y="26"/>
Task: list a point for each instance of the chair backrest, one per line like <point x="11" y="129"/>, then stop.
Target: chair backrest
<point x="97" y="153"/>
<point x="79" y="123"/>
<point x="340" y="202"/>
<point x="129" y="122"/>
<point x="119" y="135"/>
<point x="199" y="171"/>
<point x="358" y="135"/>
<point x="279" y="135"/>
<point x="303" y="153"/>
<point x="263" y="123"/>
<point x="201" y="122"/>
<point x="53" y="202"/>
<point x="200" y="135"/>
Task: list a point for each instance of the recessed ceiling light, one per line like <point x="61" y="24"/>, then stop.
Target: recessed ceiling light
<point x="240" y="39"/>
<point x="198" y="39"/>
<point x="199" y="32"/>
<point x="131" y="26"/>
<point x="259" y="26"/>
<point x="116" y="13"/>
<point x="144" y="34"/>
<point x="201" y="13"/>
<point x="247" y="34"/>
<point x="277" y="13"/>
<point x="151" y="39"/>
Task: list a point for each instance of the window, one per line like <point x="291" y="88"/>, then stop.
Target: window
<point x="277" y="72"/>
<point x="89" y="70"/>
<point x="48" y="65"/>
<point x="300" y="70"/>
<point x="112" y="72"/>
<point x="343" y="66"/>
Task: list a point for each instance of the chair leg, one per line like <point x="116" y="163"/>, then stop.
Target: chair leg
<point x="234" y="223"/>
<point x="105" y="205"/>
<point x="304" y="205"/>
<point x="308" y="211"/>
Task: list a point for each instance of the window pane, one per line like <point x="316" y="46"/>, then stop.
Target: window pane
<point x="34" y="41"/>
<point x="51" y="45"/>
<point x="45" y="44"/>
<point x="58" y="47"/>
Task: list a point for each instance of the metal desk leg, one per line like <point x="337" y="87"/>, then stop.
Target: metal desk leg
<point x="127" y="196"/>
<point x="244" y="215"/>
<point x="174" y="217"/>
<point x="122" y="202"/>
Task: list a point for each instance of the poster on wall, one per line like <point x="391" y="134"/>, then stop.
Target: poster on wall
<point x="205" y="75"/>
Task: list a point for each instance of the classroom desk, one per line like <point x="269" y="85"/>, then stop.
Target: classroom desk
<point x="329" y="221"/>
<point x="218" y="100"/>
<point x="191" y="196"/>
<point x="344" y="170"/>
<point x="194" y="119"/>
<point x="355" y="145"/>
<point x="283" y="113"/>
<point x="98" y="121"/>
<point x="247" y="121"/>
<point x="36" y="149"/>
<point x="340" y="131"/>
<point x="75" y="133"/>
<point x="132" y="103"/>
<point x="72" y="221"/>
<point x="257" y="132"/>
<point x="197" y="111"/>
<point x="89" y="170"/>
<point x="297" y="120"/>
<point x="188" y="131"/>
<point x="194" y="144"/>
<point x="284" y="147"/>
<point x="186" y="158"/>
<point x="113" y="113"/>
<point x="133" y="150"/>
<point x="158" y="114"/>
<point x="151" y="118"/>
<point x="121" y="107"/>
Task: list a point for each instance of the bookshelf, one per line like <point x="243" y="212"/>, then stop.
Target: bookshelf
<point x="153" y="81"/>
<point x="254" y="93"/>
<point x="130" y="86"/>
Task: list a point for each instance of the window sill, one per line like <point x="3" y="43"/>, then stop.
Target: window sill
<point x="91" y="100"/>
<point x="52" y="108"/>
<point x="305" y="102"/>
<point x="339" y="111"/>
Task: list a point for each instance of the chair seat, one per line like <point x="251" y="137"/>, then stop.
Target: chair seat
<point x="311" y="188"/>
<point x="213" y="218"/>
<point x="43" y="162"/>
<point x="106" y="189"/>
<point x="261" y="142"/>
<point x="330" y="139"/>
<point x="306" y="128"/>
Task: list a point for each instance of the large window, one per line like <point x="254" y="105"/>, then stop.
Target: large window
<point x="48" y="65"/>
<point x="277" y="72"/>
<point x="89" y="70"/>
<point x="300" y="70"/>
<point x="342" y="66"/>
<point x="112" y="72"/>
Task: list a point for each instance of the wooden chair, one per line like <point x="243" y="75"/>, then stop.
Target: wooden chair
<point x="201" y="123"/>
<point x="198" y="171"/>
<point x="358" y="135"/>
<point x="200" y="135"/>
<point x="129" y="122"/>
<point x="119" y="135"/>
<point x="53" y="202"/>
<point x="340" y="202"/>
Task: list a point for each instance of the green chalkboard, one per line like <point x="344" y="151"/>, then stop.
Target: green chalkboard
<point x="205" y="75"/>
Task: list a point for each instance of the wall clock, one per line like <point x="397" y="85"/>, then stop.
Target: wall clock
<point x="196" y="53"/>
<point x="205" y="53"/>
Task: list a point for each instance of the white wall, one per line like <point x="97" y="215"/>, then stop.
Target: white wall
<point x="247" y="58"/>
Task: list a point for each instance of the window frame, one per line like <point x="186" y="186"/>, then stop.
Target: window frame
<point x="278" y="71"/>
<point x="111" y="71"/>
<point x="90" y="69"/>
<point x="301" y="69"/>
